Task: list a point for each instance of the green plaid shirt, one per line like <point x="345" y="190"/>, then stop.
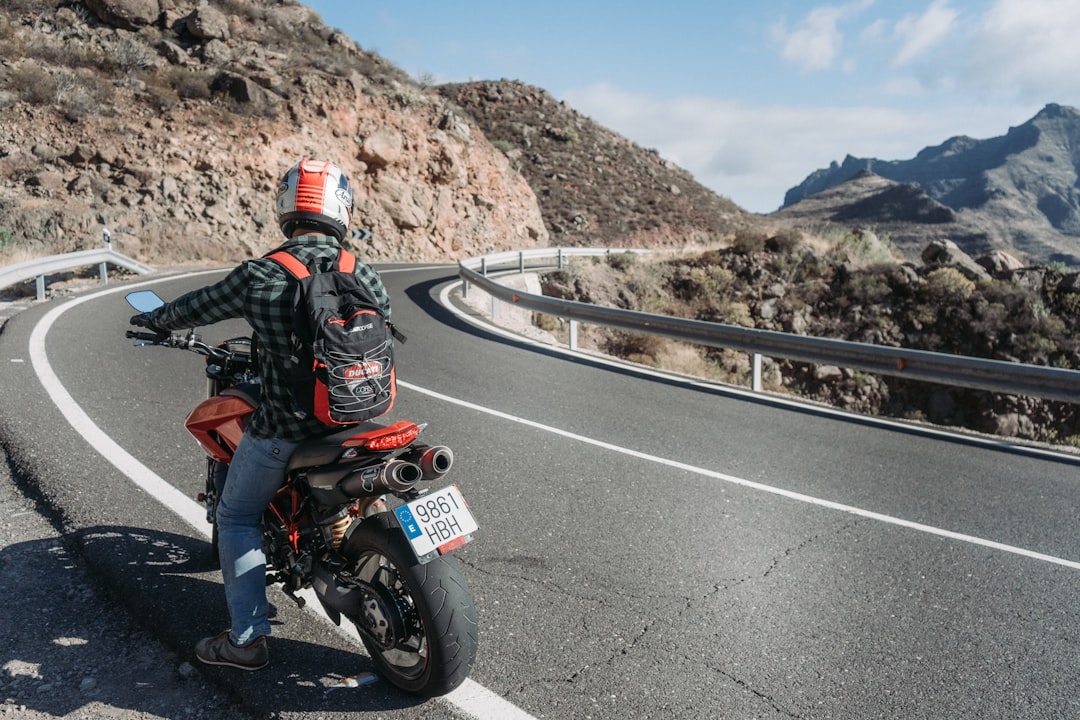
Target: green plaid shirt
<point x="259" y="291"/>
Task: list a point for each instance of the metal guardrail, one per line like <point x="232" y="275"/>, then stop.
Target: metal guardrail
<point x="40" y="267"/>
<point x="977" y="373"/>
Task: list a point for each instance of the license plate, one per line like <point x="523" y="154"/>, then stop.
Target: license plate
<point x="437" y="523"/>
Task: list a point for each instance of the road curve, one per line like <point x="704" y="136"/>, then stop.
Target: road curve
<point x="648" y="548"/>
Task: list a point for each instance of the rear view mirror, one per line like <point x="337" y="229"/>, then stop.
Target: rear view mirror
<point x="144" y="300"/>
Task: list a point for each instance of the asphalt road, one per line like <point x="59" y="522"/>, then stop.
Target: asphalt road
<point x="648" y="548"/>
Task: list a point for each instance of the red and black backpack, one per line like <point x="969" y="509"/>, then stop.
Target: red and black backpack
<point x="343" y="365"/>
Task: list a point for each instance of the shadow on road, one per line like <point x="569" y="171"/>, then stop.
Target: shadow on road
<point x="67" y="646"/>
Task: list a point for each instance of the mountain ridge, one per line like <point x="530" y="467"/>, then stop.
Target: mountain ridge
<point x="1014" y="192"/>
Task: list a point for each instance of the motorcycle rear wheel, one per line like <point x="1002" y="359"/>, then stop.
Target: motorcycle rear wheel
<point x="418" y="622"/>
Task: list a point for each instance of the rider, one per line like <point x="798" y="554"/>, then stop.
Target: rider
<point x="314" y="205"/>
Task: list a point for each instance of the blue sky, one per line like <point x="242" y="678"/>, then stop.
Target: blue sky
<point x="748" y="96"/>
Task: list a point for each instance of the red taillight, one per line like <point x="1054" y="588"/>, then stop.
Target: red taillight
<point x="392" y="437"/>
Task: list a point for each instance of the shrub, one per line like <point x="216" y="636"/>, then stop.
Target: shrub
<point x="868" y="287"/>
<point x="131" y="53"/>
<point x="82" y="94"/>
<point x="1070" y="305"/>
<point x="746" y="243"/>
<point x="635" y="347"/>
<point x="700" y="284"/>
<point x="621" y="261"/>
<point x="190" y="85"/>
<point x="786" y="241"/>
<point x="7" y="239"/>
<point x="867" y="247"/>
<point x="948" y="286"/>
<point x="736" y="313"/>
<point x="922" y="314"/>
<point x="33" y="85"/>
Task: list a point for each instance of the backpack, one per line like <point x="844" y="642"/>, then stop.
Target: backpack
<point x="343" y="366"/>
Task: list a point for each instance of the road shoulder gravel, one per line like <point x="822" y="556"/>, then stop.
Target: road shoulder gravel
<point x="67" y="648"/>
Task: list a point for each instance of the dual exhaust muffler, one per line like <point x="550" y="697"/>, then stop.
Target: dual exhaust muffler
<point x="421" y="462"/>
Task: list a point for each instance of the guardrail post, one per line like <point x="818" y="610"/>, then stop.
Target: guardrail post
<point x="755" y="383"/>
<point x="483" y="266"/>
<point x="494" y="307"/>
<point x="521" y="262"/>
<point x="40" y="282"/>
<point x="560" y="256"/>
<point x="573" y="334"/>
<point x="103" y="269"/>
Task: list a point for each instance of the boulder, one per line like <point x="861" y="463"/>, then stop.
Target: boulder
<point x="240" y="88"/>
<point x="126" y="14"/>
<point x="999" y="262"/>
<point x="946" y="253"/>
<point x="208" y="23"/>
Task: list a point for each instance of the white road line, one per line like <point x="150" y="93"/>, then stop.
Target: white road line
<point x="470" y="697"/>
<point x="929" y="529"/>
<point x="777" y="400"/>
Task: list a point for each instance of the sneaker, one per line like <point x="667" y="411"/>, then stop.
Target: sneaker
<point x="219" y="650"/>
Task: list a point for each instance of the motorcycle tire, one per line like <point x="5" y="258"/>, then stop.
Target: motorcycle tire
<point x="418" y="622"/>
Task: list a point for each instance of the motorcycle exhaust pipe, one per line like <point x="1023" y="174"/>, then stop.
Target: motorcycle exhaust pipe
<point x="392" y="476"/>
<point x="434" y="460"/>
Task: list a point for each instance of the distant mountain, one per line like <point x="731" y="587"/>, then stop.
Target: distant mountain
<point x="1017" y="192"/>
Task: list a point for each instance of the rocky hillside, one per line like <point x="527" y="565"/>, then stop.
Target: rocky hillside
<point x="170" y="121"/>
<point x="595" y="187"/>
<point x="1017" y="192"/>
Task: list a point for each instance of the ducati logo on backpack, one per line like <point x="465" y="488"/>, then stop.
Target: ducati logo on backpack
<point x="344" y="369"/>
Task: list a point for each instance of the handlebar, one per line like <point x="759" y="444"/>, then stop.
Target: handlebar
<point x="223" y="362"/>
<point x="145" y="337"/>
<point x="190" y="341"/>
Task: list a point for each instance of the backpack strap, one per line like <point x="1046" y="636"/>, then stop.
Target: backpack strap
<point x="346" y="262"/>
<point x="293" y="266"/>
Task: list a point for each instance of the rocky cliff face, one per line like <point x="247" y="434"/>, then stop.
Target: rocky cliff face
<point x="1017" y="192"/>
<point x="596" y="187"/>
<point x="170" y="123"/>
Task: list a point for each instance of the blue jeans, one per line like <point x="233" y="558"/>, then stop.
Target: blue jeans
<point x="255" y="474"/>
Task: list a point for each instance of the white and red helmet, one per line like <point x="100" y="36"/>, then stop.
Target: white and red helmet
<point x="315" y="194"/>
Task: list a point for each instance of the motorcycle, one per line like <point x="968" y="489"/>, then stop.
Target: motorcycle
<point x="332" y="528"/>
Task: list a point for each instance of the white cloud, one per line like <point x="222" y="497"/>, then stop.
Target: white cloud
<point x="874" y="32"/>
<point x="1014" y="51"/>
<point x="816" y="41"/>
<point x="754" y="154"/>
<point x="1026" y="49"/>
<point x="920" y="34"/>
